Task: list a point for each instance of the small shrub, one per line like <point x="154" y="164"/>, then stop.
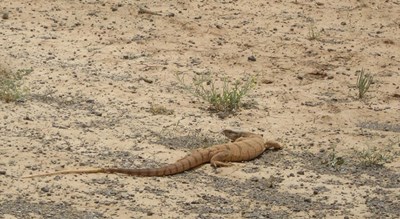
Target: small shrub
<point x="223" y="99"/>
<point x="372" y="156"/>
<point x="313" y="34"/>
<point x="363" y="83"/>
<point x="10" y="84"/>
<point x="333" y="160"/>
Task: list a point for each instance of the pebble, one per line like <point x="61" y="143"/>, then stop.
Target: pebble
<point x="300" y="172"/>
<point x="147" y="80"/>
<point x="45" y="189"/>
<point x="5" y="15"/>
<point x="252" y="58"/>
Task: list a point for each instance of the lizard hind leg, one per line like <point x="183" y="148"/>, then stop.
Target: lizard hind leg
<point x="219" y="159"/>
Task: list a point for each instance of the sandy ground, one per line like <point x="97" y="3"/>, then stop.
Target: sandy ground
<point x="100" y="68"/>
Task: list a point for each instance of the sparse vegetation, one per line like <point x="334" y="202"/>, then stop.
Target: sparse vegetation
<point x="221" y="99"/>
<point x="372" y="156"/>
<point x="10" y="84"/>
<point x="312" y="33"/>
<point x="333" y="160"/>
<point x="363" y="83"/>
<point x="160" y="110"/>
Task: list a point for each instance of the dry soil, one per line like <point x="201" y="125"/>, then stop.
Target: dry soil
<point x="103" y="93"/>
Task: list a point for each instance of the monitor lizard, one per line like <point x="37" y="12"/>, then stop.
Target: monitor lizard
<point x="244" y="146"/>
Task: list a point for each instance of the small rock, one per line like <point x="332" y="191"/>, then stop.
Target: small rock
<point x="2" y="172"/>
<point x="45" y="189"/>
<point x="254" y="179"/>
<point x="27" y="118"/>
<point x="125" y="195"/>
<point x="300" y="172"/>
<point x="267" y="81"/>
<point x="97" y="113"/>
<point x="252" y="58"/>
<point x="147" y="80"/>
<point x="269" y="183"/>
<point x="5" y="15"/>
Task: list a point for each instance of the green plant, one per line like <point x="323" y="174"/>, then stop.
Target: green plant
<point x="10" y="84"/>
<point x="160" y="110"/>
<point x="312" y="33"/>
<point x="372" y="156"/>
<point x="223" y="99"/>
<point x="333" y="160"/>
<point x="363" y="83"/>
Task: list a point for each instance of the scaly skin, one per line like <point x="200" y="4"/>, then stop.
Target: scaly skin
<point x="244" y="146"/>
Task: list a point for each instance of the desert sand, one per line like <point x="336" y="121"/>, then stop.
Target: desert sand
<point x="102" y="69"/>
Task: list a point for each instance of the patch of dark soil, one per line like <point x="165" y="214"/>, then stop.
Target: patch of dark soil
<point x="193" y="140"/>
<point x="22" y="209"/>
<point x="125" y="159"/>
<point x="112" y="193"/>
<point x="260" y="190"/>
<point x="208" y="204"/>
<point x="264" y="212"/>
<point x="380" y="203"/>
<point x="375" y="176"/>
<point x="379" y="175"/>
<point x="386" y="204"/>
<point x="350" y="169"/>
<point x="272" y="158"/>
<point x="74" y="102"/>
<point x="379" y="126"/>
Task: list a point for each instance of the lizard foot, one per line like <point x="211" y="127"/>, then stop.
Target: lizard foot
<point x="217" y="164"/>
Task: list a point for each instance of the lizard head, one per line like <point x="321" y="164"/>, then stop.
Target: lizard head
<point x="234" y="135"/>
<point x="272" y="144"/>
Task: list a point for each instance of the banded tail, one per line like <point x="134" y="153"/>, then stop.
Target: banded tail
<point x="191" y="161"/>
